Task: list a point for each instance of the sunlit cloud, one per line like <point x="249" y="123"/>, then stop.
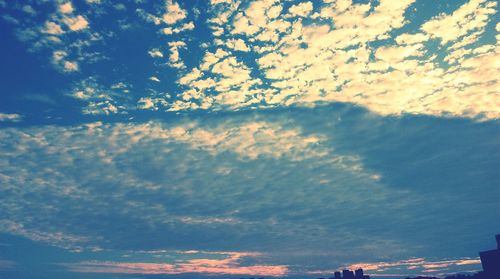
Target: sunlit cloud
<point x="227" y="266"/>
<point x="420" y="266"/>
<point x="299" y="129"/>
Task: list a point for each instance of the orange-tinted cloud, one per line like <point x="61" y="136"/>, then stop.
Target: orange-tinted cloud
<point x="227" y="266"/>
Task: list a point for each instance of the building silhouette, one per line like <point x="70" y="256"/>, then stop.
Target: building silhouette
<point x="490" y="260"/>
<point x="348" y="274"/>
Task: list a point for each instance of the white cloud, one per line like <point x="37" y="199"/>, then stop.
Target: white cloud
<point x="174" y="12"/>
<point x="153" y="78"/>
<point x="155" y="53"/>
<point x="179" y="29"/>
<point x="100" y="99"/>
<point x="305" y="64"/>
<point x="303" y="9"/>
<point x="175" y="60"/>
<point x="237" y="44"/>
<point x="473" y="15"/>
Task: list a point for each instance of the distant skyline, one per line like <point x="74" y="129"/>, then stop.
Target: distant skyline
<point x="215" y="138"/>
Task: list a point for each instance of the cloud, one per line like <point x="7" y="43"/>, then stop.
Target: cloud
<point x="53" y="28"/>
<point x="231" y="77"/>
<point x="291" y="185"/>
<point x="471" y="16"/>
<point x="153" y="78"/>
<point x="116" y="160"/>
<point x="174" y="12"/>
<point x="420" y="266"/>
<point x="237" y="44"/>
<point x="307" y="55"/>
<point x="303" y="9"/>
<point x="76" y="23"/>
<point x="101" y="99"/>
<point x="29" y="10"/>
<point x="61" y="27"/>
<point x="327" y="59"/>
<point x="10" y="117"/>
<point x="66" y="8"/>
<point x="7" y="265"/>
<point x="227" y="266"/>
<point x="174" y="60"/>
<point x="184" y="27"/>
<point x="57" y="238"/>
<point x="155" y="53"/>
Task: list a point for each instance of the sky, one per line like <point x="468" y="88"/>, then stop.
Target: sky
<point x="231" y="138"/>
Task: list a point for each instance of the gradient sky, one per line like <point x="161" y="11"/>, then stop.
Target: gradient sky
<point x="153" y="139"/>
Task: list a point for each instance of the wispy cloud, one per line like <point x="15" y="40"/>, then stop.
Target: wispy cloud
<point x="7" y="265"/>
<point x="228" y="266"/>
<point x="420" y="266"/>
<point x="10" y="117"/>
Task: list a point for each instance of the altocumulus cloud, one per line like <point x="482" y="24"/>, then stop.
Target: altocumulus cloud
<point x="194" y="184"/>
<point x="288" y="187"/>
<point x="271" y="137"/>
<point x="390" y="57"/>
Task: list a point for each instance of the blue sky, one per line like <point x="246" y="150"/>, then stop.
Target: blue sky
<point x="222" y="138"/>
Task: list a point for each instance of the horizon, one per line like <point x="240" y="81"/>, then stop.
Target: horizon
<point x="228" y="138"/>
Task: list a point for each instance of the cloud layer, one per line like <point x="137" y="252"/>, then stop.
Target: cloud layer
<point x="390" y="57"/>
<point x="289" y="186"/>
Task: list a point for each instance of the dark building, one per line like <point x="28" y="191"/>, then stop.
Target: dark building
<point x="490" y="261"/>
<point x="347" y="274"/>
<point x="358" y="274"/>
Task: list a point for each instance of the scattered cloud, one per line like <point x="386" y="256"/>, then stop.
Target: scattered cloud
<point x="101" y="99"/>
<point x="329" y="60"/>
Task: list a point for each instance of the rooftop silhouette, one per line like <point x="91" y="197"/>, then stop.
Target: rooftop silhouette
<point x="347" y="274"/>
<point x="490" y="260"/>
